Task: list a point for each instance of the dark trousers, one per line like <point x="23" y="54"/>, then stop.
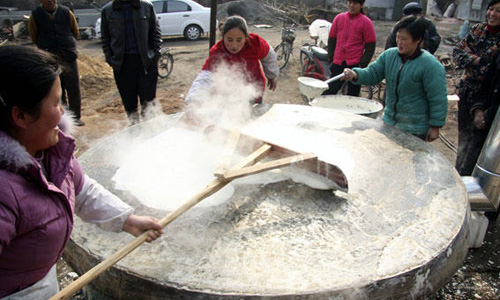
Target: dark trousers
<point x="470" y="140"/>
<point x="136" y="84"/>
<point x="334" y="87"/>
<point x="70" y="84"/>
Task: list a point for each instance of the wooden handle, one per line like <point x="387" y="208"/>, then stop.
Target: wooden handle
<point x="210" y="189"/>
<point x="233" y="174"/>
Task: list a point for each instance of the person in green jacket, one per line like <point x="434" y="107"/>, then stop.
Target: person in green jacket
<point x="416" y="99"/>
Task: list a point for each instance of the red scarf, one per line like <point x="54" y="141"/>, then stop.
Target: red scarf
<point x="492" y="29"/>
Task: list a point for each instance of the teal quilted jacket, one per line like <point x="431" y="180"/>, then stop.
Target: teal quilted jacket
<point x="416" y="95"/>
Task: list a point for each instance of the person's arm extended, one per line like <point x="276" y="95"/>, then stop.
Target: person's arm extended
<point x="200" y="86"/>
<point x="97" y="205"/>
<point x="372" y="74"/>
<point x="136" y="225"/>
<point x="367" y="55"/>
<point x="271" y="69"/>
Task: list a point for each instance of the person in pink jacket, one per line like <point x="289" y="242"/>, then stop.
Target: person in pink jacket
<point x="41" y="182"/>
<point x="351" y="43"/>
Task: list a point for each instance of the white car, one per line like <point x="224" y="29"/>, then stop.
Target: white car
<point x="178" y="17"/>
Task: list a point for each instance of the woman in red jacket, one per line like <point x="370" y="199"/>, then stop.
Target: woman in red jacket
<point x="242" y="53"/>
<point x="351" y="43"/>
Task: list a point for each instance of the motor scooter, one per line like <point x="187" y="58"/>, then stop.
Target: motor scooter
<point x="313" y="56"/>
<point x="314" y="62"/>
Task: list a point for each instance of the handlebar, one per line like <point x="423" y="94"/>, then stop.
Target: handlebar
<point x="284" y="22"/>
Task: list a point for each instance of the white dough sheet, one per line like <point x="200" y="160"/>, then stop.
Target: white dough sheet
<point x="167" y="170"/>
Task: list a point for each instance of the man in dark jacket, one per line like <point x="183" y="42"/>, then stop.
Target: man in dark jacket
<point x="53" y="28"/>
<point x="131" y="41"/>
<point x="431" y="40"/>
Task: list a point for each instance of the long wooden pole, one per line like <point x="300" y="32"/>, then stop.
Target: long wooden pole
<point x="278" y="163"/>
<point x="210" y="189"/>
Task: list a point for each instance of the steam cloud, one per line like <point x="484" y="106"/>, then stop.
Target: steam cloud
<point x="165" y="171"/>
<point x="225" y="98"/>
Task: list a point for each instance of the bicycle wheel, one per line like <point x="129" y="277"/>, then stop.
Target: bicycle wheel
<point x="165" y="65"/>
<point x="303" y="58"/>
<point x="282" y="54"/>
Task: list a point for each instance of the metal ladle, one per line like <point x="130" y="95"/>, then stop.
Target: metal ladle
<point x="312" y="87"/>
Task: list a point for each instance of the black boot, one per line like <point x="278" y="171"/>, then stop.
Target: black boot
<point x="133" y="118"/>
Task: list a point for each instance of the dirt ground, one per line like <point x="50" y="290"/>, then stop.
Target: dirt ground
<point x="103" y="114"/>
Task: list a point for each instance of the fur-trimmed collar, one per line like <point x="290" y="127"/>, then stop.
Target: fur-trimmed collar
<point x="14" y="156"/>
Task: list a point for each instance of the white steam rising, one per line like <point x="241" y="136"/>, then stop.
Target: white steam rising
<point x="223" y="97"/>
<point x="167" y="170"/>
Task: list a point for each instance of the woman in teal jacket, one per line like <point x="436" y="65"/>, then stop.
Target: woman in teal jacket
<point x="416" y="99"/>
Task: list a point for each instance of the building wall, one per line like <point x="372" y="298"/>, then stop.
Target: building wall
<point x="474" y="10"/>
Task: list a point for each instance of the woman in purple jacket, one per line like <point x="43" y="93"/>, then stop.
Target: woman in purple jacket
<point x="41" y="182"/>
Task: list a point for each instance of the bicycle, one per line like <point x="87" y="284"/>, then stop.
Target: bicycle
<point x="165" y="63"/>
<point x="285" y="48"/>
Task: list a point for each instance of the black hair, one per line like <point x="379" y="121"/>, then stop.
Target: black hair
<point x="493" y="2"/>
<point x="414" y="25"/>
<point x="362" y="2"/>
<point x="412" y="8"/>
<point x="235" y="22"/>
<point x="27" y="77"/>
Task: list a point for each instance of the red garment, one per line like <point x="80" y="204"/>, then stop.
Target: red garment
<point x="352" y="33"/>
<point x="255" y="49"/>
<point x="493" y="29"/>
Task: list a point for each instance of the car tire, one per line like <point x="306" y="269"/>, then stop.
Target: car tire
<point x="192" y="32"/>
